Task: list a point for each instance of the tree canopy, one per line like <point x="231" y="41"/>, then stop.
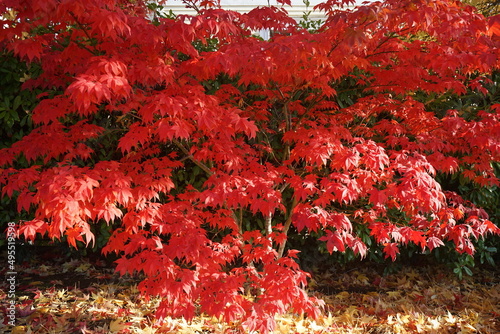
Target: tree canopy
<point x="204" y="147"/>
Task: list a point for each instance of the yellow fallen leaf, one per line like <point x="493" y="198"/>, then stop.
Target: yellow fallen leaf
<point x="413" y="275"/>
<point x="99" y="300"/>
<point x="312" y="283"/>
<point x="18" y="330"/>
<point x="148" y="330"/>
<point x="363" y="279"/>
<point x="367" y="320"/>
<point x="117" y="302"/>
<point x="342" y="295"/>
<point x="402" y="282"/>
<point x="394" y="294"/>
<point x="283" y="327"/>
<point x="44" y="268"/>
<point x="36" y="283"/>
<point x="83" y="267"/>
<point x="403" y="319"/>
<point x="450" y="318"/>
<point x="327" y="321"/>
<point x="117" y="325"/>
<point x="472" y="328"/>
<point x="300" y="328"/>
<point x="61" y="293"/>
<point x="435" y="323"/>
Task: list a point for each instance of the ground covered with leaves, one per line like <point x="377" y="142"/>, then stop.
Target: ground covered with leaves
<point x="81" y="296"/>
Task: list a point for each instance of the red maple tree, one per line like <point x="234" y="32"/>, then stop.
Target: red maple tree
<point x="203" y="144"/>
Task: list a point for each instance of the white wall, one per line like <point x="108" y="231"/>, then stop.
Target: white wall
<point x="243" y="6"/>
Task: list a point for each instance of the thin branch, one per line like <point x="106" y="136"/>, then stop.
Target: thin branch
<point x="192" y="4"/>
<point x="308" y="110"/>
<point x="285" y="107"/>
<point x="332" y="49"/>
<point x="269" y="229"/>
<point x="96" y="51"/>
<point x="286" y="227"/>
<point x="288" y="120"/>
<point x="240" y="221"/>
<point x="192" y="158"/>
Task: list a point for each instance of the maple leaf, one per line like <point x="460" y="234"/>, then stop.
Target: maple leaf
<point x="378" y="197"/>
<point x="73" y="235"/>
<point x="30" y="228"/>
<point x="284" y="2"/>
<point x="31" y="48"/>
<point x="248" y="127"/>
<point x="110" y="24"/>
<point x="434" y="242"/>
<point x="391" y="250"/>
<point x="25" y="200"/>
<point x="334" y="242"/>
<point x="359" y="247"/>
<point x="137" y="135"/>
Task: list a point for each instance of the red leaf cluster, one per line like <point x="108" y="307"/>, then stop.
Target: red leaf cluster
<point x="217" y="143"/>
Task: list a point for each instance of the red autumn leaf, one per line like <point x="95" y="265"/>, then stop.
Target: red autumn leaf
<point x="494" y="25"/>
<point x="334" y="242"/>
<point x="359" y="247"/>
<point x="391" y="250"/>
<point x="31" y="228"/>
<point x="73" y="235"/>
<point x="434" y="242"/>
<point x="32" y="49"/>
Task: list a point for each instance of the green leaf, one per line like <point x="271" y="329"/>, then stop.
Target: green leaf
<point x="17" y="102"/>
<point x="490" y="260"/>
<point x="14" y="115"/>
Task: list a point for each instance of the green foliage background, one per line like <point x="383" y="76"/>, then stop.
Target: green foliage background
<point x="15" y="119"/>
